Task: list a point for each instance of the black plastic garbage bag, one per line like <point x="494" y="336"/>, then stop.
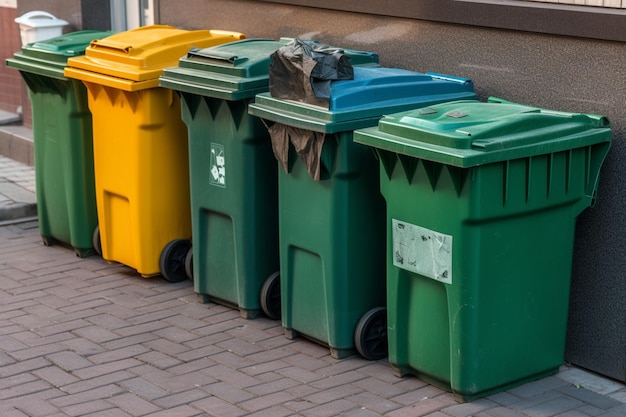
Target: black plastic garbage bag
<point x="303" y="71"/>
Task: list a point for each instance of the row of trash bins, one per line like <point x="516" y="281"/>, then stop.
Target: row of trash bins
<point x="369" y="208"/>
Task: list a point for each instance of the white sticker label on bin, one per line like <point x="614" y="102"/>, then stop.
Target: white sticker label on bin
<point x="218" y="166"/>
<point x="422" y="251"/>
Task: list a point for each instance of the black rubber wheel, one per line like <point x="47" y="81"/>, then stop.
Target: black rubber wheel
<point x="95" y="240"/>
<point x="270" y="296"/>
<point x="370" y="335"/>
<point x="189" y="263"/>
<point x="172" y="260"/>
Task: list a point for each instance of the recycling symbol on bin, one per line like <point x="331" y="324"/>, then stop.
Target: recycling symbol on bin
<point x="218" y="168"/>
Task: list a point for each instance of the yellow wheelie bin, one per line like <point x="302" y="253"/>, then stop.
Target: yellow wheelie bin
<point x="140" y="146"/>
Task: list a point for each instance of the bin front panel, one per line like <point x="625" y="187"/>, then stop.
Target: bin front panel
<point x="331" y="243"/>
<point x="501" y="319"/>
<point x="141" y="165"/>
<point x="141" y="54"/>
<point x="62" y="134"/>
<point x="234" y="201"/>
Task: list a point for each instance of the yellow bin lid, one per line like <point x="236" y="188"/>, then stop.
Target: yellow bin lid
<point x="134" y="60"/>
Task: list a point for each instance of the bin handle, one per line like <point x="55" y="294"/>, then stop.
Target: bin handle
<point x="210" y="54"/>
<point x="37" y="14"/>
<point x="111" y="44"/>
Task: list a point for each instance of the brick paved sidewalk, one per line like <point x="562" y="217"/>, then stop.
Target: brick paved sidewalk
<point x="17" y="190"/>
<point x="81" y="337"/>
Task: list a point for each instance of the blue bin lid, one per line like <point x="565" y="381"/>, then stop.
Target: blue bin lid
<point x="49" y="57"/>
<point x="233" y="71"/>
<point x="361" y="102"/>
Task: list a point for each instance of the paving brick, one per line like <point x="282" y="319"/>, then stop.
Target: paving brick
<point x="332" y="409"/>
<point x="23" y="366"/>
<point x="34" y="406"/>
<point x="166" y="346"/>
<point x="118" y="354"/>
<point x="227" y="392"/>
<point x="195" y="353"/>
<point x="69" y="361"/>
<point x="181" y="398"/>
<point x="144" y="388"/>
<point x="538" y="387"/>
<point x="97" y="382"/>
<point x="9" y="344"/>
<point x="276" y="411"/>
<point x="279" y="383"/>
<point x="13" y="412"/>
<point x="175" y="334"/>
<point x="182" y="411"/>
<point x="421" y="394"/>
<point x="85" y="309"/>
<point x="372" y="402"/>
<point x="501" y="412"/>
<point x="11" y="381"/>
<point x="108" y="321"/>
<point x="362" y="413"/>
<point x="160" y="315"/>
<point x="379" y="387"/>
<point x="88" y="407"/>
<point x="262" y="367"/>
<point x="335" y="393"/>
<point x="339" y="379"/>
<point x="158" y="359"/>
<point x="133" y="405"/>
<point x="23" y="389"/>
<point x="217" y="407"/>
<point x="55" y="376"/>
<point x="300" y="375"/>
<point x="96" y="334"/>
<point x="470" y="408"/>
<point x="584" y="395"/>
<point x="424" y="407"/>
<point x="231" y="376"/>
<point x="573" y="413"/>
<point x="113" y="412"/>
<point x="122" y="342"/>
<point x="177" y="319"/>
<point x="107" y="368"/>
<point x="231" y="360"/>
<point x="240" y="347"/>
<point x="62" y="327"/>
<point x="266" y="401"/>
<point x="82" y="346"/>
<point x="311" y="363"/>
<point x="192" y="366"/>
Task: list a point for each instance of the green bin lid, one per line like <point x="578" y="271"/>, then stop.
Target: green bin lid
<point x="360" y="102"/>
<point x="234" y="71"/>
<point x="470" y="133"/>
<point x="49" y="57"/>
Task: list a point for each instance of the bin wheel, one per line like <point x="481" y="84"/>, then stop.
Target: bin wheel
<point x="95" y="240"/>
<point x="172" y="260"/>
<point x="370" y="335"/>
<point x="189" y="263"/>
<point x="270" y="296"/>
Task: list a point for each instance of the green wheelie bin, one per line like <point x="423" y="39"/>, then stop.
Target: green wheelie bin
<point x="482" y="201"/>
<point x="234" y="259"/>
<point x="331" y="213"/>
<point x="62" y="134"/>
